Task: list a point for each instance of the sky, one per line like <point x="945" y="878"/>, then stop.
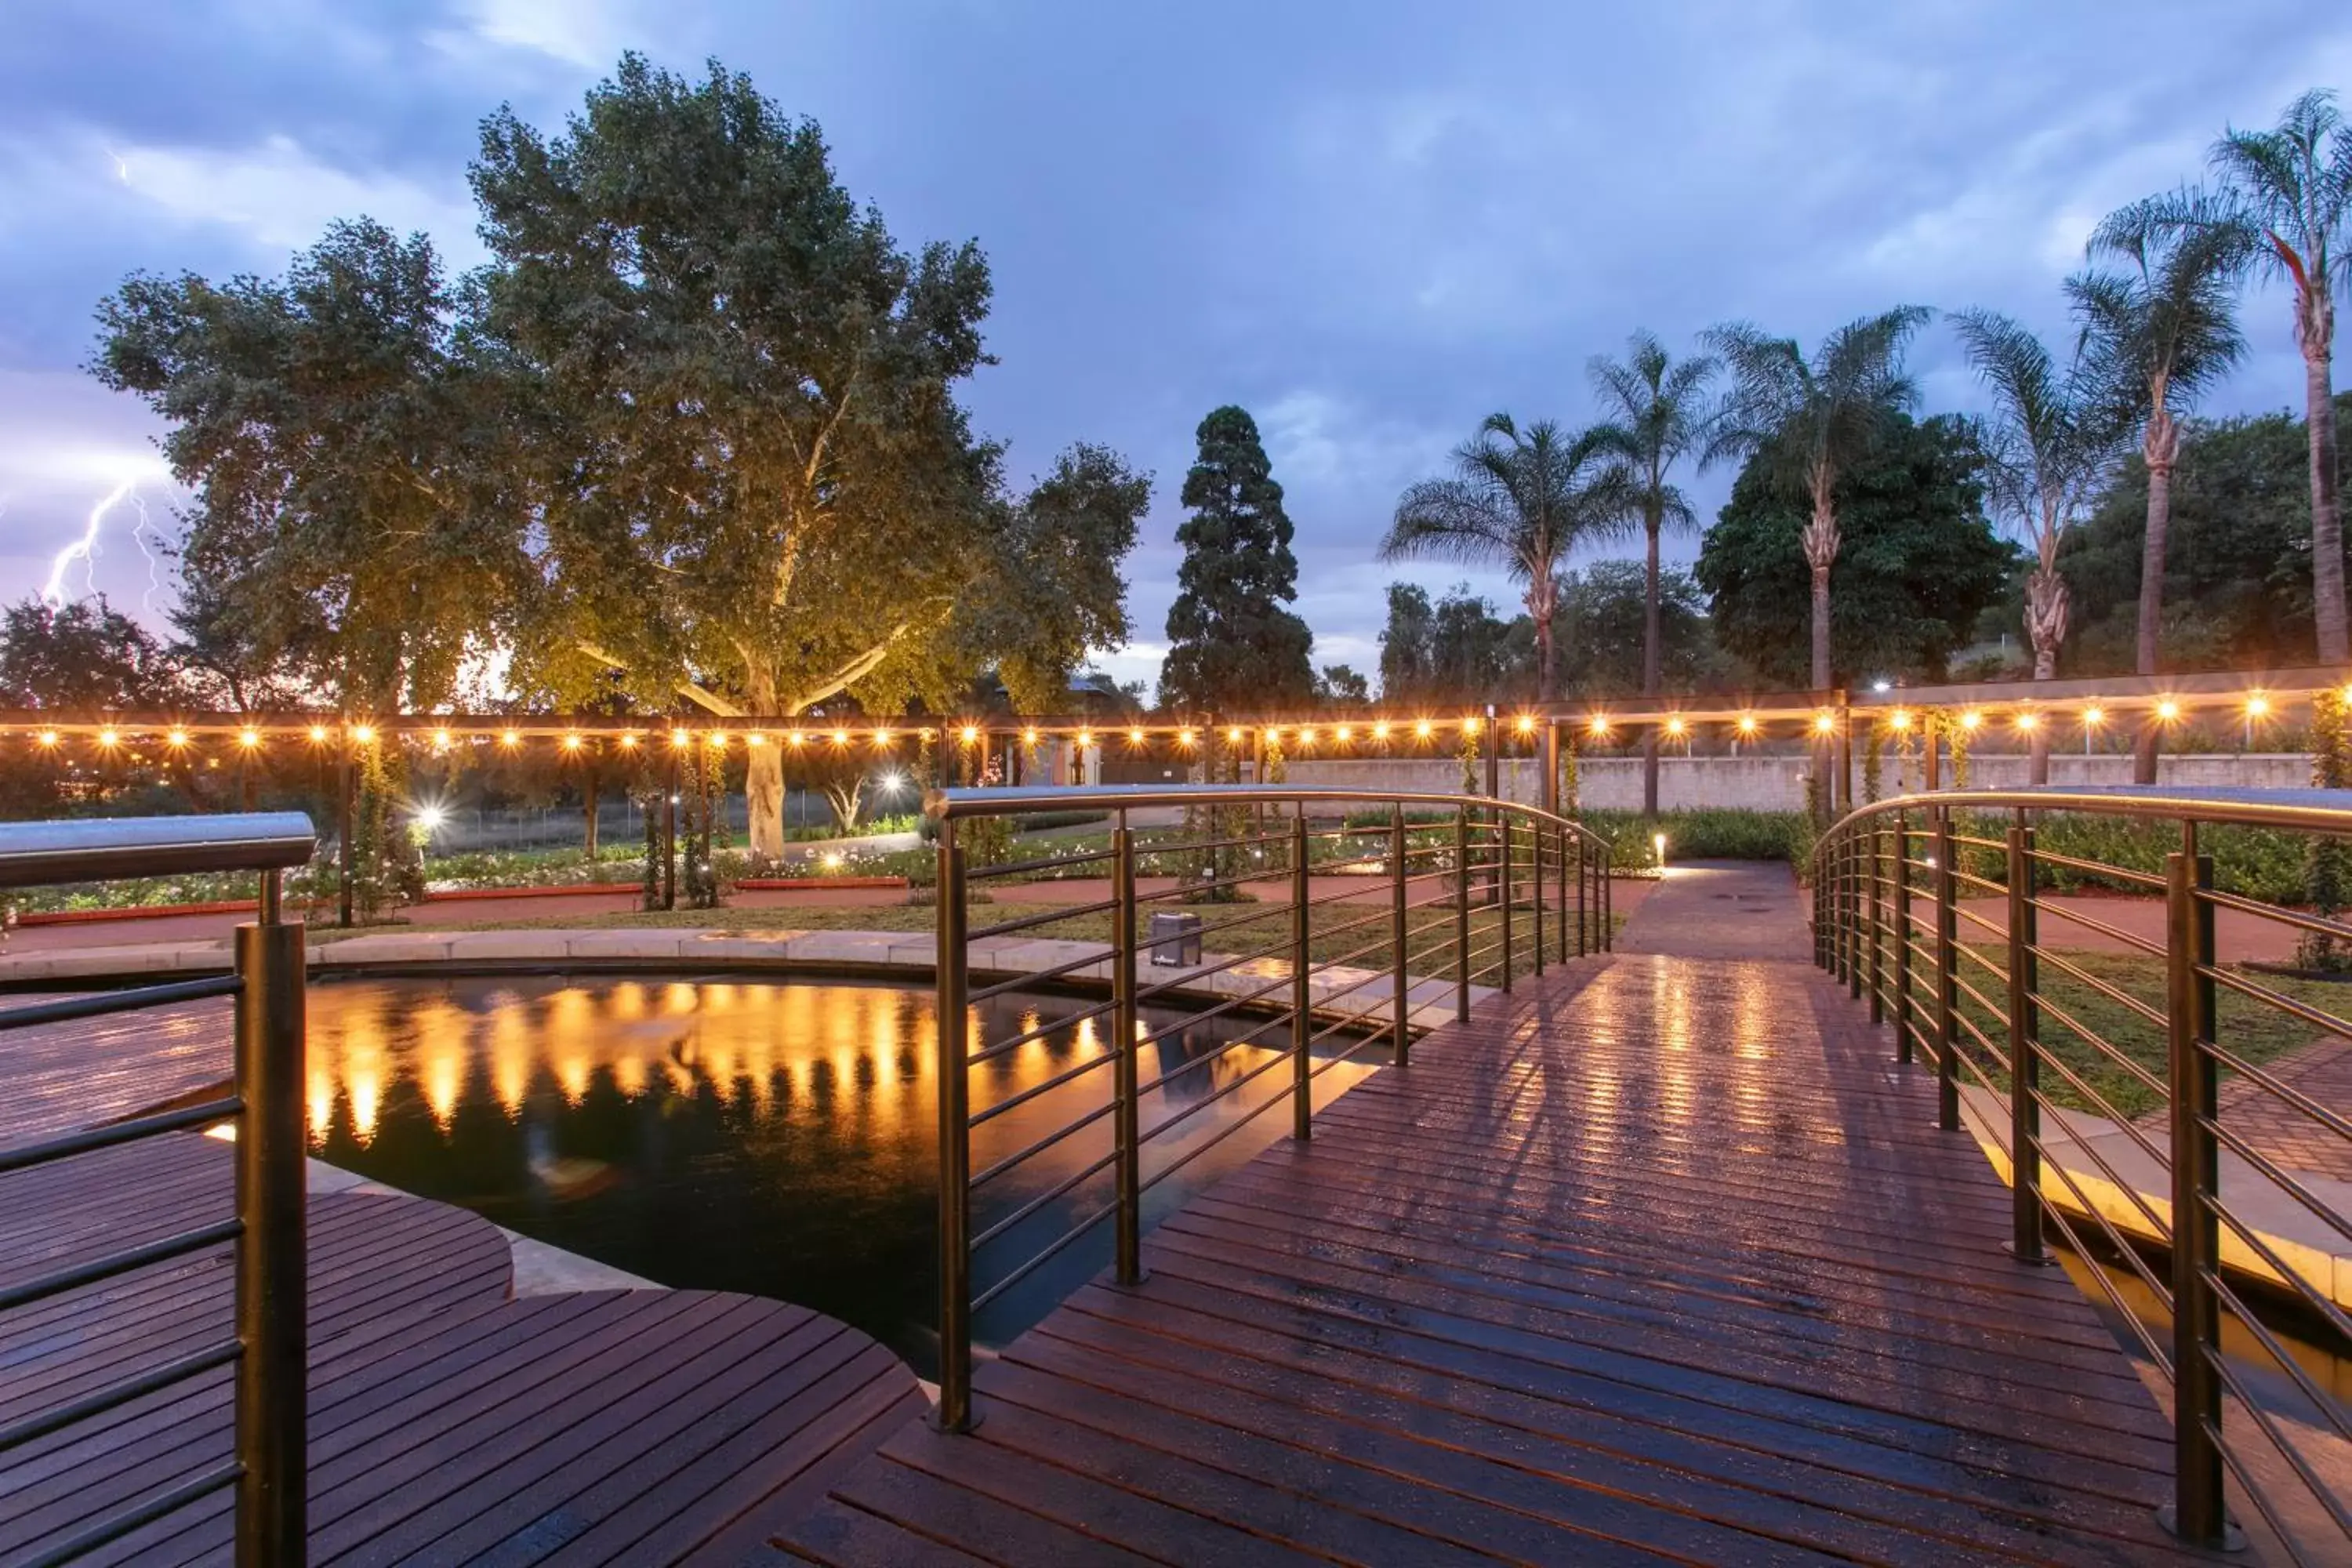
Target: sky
<point x="1371" y="224"/>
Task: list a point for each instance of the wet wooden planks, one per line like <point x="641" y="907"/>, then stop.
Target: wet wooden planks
<point x="1658" y="1261"/>
<point x="449" y="1421"/>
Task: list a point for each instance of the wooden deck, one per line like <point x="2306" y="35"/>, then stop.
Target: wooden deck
<point x="449" y="1421"/>
<point x="1659" y="1260"/>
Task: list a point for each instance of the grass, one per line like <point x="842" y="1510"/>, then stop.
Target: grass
<point x="2246" y="1026"/>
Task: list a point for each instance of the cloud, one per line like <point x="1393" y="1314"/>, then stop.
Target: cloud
<point x="587" y="33"/>
<point x="279" y="195"/>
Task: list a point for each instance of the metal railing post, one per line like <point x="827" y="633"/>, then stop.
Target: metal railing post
<point x="952" y="984"/>
<point x="1851" y="921"/>
<point x="1875" y="906"/>
<point x="1566" y="845"/>
<point x="2024" y="1052"/>
<point x="1948" y="980"/>
<point x="1536" y="890"/>
<point x="1902" y="1000"/>
<point x="1302" y="1109"/>
<point x="272" y="1268"/>
<point x="1503" y="836"/>
<point x="1397" y="934"/>
<point x="1461" y="914"/>
<point x="1581" y="879"/>
<point x="1608" y="904"/>
<point x="2198" y="1513"/>
<point x="1126" y="1140"/>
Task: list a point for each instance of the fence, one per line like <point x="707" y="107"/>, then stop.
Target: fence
<point x="1454" y="892"/>
<point x="2096" y="1064"/>
<point x="267" y="1467"/>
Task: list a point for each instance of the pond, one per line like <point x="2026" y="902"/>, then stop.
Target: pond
<point x="769" y="1136"/>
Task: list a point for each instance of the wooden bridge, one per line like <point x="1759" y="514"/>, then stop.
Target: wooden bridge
<point x="1657" y="1258"/>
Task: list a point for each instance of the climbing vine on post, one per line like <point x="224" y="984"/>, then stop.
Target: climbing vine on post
<point x="1874" y="746"/>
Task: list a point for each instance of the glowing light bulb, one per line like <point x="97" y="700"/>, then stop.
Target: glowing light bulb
<point x="1028" y="737"/>
<point x="1343" y="735"/>
<point x="512" y="739"/>
<point x="1424" y="730"/>
<point x="841" y="737"/>
<point x="628" y="742"/>
<point x="2167" y="710"/>
<point x="1274" y="737"/>
<point x="1135" y="737"/>
<point x="1901" y="719"/>
<point x="1971" y="719"/>
<point x="318" y="733"/>
<point x="1306" y="737"/>
<point x="1380" y="730"/>
<point x="47" y="737"/>
<point x="363" y="733"/>
<point x="756" y="739"/>
<point x="176" y="737"/>
<point x="249" y="738"/>
<point x="970" y="733"/>
<point x="440" y="740"/>
<point x="1748" y="724"/>
<point x="108" y="739"/>
<point x="2028" y="722"/>
<point x="1823" y="723"/>
<point x="1086" y="738"/>
<point x="1675" y="725"/>
<point x="681" y="738"/>
<point x="1185" y="738"/>
<point x="2257" y="707"/>
<point x="1527" y="725"/>
<point x="1600" y="723"/>
<point x="1469" y="726"/>
<point x="718" y="740"/>
<point x="571" y="742"/>
<point x="2094" y="717"/>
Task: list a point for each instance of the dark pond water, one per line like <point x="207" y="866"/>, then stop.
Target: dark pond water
<point x="779" y="1139"/>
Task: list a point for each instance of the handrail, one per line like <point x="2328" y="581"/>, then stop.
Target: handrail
<point x="1490" y="877"/>
<point x="97" y="849"/>
<point x="2168" y="1045"/>
<point x="270" y="1349"/>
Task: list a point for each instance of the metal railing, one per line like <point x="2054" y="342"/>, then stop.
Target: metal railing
<point x="268" y="1347"/>
<point x="1457" y="891"/>
<point x="2090" y="1043"/>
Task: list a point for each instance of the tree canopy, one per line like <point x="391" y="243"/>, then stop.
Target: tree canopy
<point x="1231" y="643"/>
<point x="84" y="657"/>
<point x="1918" y="565"/>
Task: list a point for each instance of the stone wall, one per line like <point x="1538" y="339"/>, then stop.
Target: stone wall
<point x="1777" y="781"/>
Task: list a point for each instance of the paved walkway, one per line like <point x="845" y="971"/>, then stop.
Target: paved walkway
<point x="1653" y="1260"/>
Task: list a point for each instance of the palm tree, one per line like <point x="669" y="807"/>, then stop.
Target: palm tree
<point x="1654" y="418"/>
<point x="2291" y="191"/>
<point x="1815" y="418"/>
<point x="2052" y="435"/>
<point x="2164" y="330"/>
<point x="1519" y="501"/>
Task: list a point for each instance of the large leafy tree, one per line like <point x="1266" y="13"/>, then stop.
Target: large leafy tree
<point x="1813" y="418"/>
<point x="1604" y="612"/>
<point x="2291" y="204"/>
<point x="1233" y="645"/>
<point x="2053" y="430"/>
<point x="342" y="443"/>
<point x="2237" y="589"/>
<point x="1654" y="415"/>
<point x="1408" y="646"/>
<point x="1520" y="502"/>
<point x="1920" y="562"/>
<point x="752" y="478"/>
<point x="83" y="658"/>
<point x="2164" y="329"/>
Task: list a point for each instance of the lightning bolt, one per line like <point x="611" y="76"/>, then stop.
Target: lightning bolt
<point x="154" y="566"/>
<point x="85" y="549"/>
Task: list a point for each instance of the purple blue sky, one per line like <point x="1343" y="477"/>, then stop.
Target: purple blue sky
<point x="1371" y="224"/>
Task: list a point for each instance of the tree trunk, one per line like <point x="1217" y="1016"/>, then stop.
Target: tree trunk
<point x="589" y="790"/>
<point x="2045" y="627"/>
<point x="1545" y="684"/>
<point x="2160" y="446"/>
<point x="763" y="782"/>
<point x="2326" y="524"/>
<point x="1650" y="679"/>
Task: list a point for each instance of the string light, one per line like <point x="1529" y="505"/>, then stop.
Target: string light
<point x="628" y="742"/>
<point x="2167" y="710"/>
<point x="1185" y="738"/>
<point x="1029" y="737"/>
<point x="1086" y="738"/>
<point x="679" y="738"/>
<point x="881" y="737"/>
<point x="1380" y="730"/>
<point x="440" y="740"/>
<point x="177" y="738"/>
<point x="1971" y="719"/>
<point x="1306" y="737"/>
<point x="1527" y="725"/>
<point x="1675" y="725"/>
<point x="1423" y="730"/>
<point x="1600" y="723"/>
<point x="1135" y="737"/>
<point x="47" y="737"/>
<point x="756" y="739"/>
<point x="1342" y="734"/>
<point x="317" y="734"/>
<point x="363" y="733"/>
<point x="2257" y="706"/>
<point x="248" y="738"/>
<point x="1469" y="726"/>
<point x="718" y="740"/>
<point x="1901" y="719"/>
<point x="108" y="740"/>
<point x="970" y="733"/>
<point x="2028" y="723"/>
<point x="513" y="738"/>
<point x="1233" y="736"/>
<point x="571" y="742"/>
<point x="841" y="737"/>
<point x="1747" y="724"/>
<point x="2093" y="716"/>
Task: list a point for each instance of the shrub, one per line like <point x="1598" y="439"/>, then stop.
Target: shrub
<point x="1713" y="834"/>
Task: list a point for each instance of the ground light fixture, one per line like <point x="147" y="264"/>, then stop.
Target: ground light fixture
<point x="1658" y="843"/>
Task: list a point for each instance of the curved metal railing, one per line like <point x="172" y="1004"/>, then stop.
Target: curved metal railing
<point x="2053" y="955"/>
<point x="267" y="1346"/>
<point x="1455" y="892"/>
